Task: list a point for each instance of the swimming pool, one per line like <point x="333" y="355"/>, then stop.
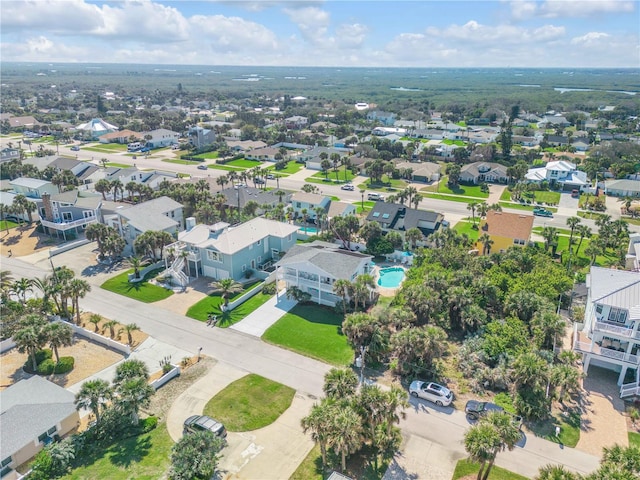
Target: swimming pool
<point x="391" y="277"/>
<point x="308" y="230"/>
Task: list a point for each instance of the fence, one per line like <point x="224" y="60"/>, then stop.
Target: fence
<point x="245" y="296"/>
<point x="173" y="373"/>
<point x="144" y="271"/>
<point x="6" y="345"/>
<point x="96" y="337"/>
<point x="65" y="248"/>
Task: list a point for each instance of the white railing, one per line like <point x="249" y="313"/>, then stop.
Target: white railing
<point x="62" y="225"/>
<point x="606" y="352"/>
<point x="630" y="389"/>
<point x="617" y="330"/>
<point x="327" y="287"/>
<point x="176" y="272"/>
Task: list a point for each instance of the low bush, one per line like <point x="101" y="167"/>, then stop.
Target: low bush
<point x="42" y="355"/>
<point x="148" y="424"/>
<point x="269" y="288"/>
<point x="65" y="365"/>
<point x="47" y="367"/>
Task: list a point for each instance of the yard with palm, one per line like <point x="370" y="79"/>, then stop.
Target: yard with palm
<point x="142" y="291"/>
<point x="463" y="190"/>
<point x="312" y="331"/>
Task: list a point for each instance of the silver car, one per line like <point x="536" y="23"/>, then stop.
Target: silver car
<point x="431" y="391"/>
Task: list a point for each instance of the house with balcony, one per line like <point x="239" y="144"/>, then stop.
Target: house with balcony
<point x="161" y="137"/>
<point x="562" y="172"/>
<point x="314" y="268"/>
<point x="310" y="202"/>
<point x="68" y="212"/>
<point x="201" y="137"/>
<point x="224" y="251"/>
<point x="395" y="217"/>
<point x="610" y="335"/>
<point x="296" y="122"/>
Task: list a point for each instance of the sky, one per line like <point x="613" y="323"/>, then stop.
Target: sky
<point x="500" y="33"/>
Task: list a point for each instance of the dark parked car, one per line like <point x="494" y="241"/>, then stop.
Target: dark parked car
<point x="475" y="409"/>
<point x="199" y="423"/>
<point x="75" y="148"/>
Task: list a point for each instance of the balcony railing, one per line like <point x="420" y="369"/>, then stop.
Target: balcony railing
<point x="326" y="286"/>
<point x="596" y="349"/>
<point x="629" y="390"/>
<point x="62" y="225"/>
<point x="618" y="330"/>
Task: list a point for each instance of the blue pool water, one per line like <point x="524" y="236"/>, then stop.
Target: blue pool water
<point x="308" y="230"/>
<point x="391" y="277"/>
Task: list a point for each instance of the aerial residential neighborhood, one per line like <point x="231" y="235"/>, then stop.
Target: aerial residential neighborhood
<point x="214" y="264"/>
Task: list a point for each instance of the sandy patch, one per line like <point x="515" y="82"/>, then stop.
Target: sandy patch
<point x="119" y="333"/>
<point x="25" y="241"/>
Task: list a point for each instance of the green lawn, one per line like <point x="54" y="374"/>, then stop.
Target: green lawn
<point x="464" y="190"/>
<point x="459" y="143"/>
<point x="114" y="147"/>
<point x="250" y="403"/>
<point x="389" y="183"/>
<point x="118" y="165"/>
<point x="465" y="467"/>
<point x="211" y="305"/>
<point x="143" y="457"/>
<point x="332" y="174"/>
<point x="181" y="162"/>
<point x="5" y="224"/>
<point x="291" y="168"/>
<point x="142" y="291"/>
<point x="208" y="155"/>
<point x="467" y="227"/>
<point x="524" y="206"/>
<point x="569" y="429"/>
<point x="311" y="466"/>
<point x="540" y="196"/>
<point x="450" y="198"/>
<point x="313" y="331"/>
<point x="634" y="439"/>
<point x="363" y="207"/>
<point x="591" y="215"/>
<point x="242" y="163"/>
<point x="225" y="167"/>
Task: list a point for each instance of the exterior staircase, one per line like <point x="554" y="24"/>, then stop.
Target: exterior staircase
<point x="177" y="273"/>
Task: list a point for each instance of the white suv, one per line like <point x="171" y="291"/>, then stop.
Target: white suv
<point x="433" y="392"/>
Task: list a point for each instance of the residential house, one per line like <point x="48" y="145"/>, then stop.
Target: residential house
<point x="23" y="122"/>
<point x="552" y="121"/>
<point x="557" y="140"/>
<point x="265" y="154"/>
<point x="151" y="178"/>
<point x="32" y="187"/>
<point x="33" y="413"/>
<point x="312" y="158"/>
<point x="222" y="251"/>
<point x="239" y="197"/>
<point x="633" y="253"/>
<point x="245" y="145"/>
<point x="428" y="133"/>
<point x="95" y="128"/>
<point x="315" y="267"/>
<point x="525" y="141"/>
<point x="68" y="212"/>
<point x="201" y="137"/>
<point x="340" y="209"/>
<point x="123" y="136"/>
<point x="386" y="131"/>
<point x="8" y="154"/>
<point x="421" y="171"/>
<point x="310" y="202"/>
<point x="85" y="172"/>
<point x="379" y="116"/>
<point x="622" y="188"/>
<point x="399" y="218"/>
<point x="562" y="172"/>
<point x="610" y="335"/>
<point x="505" y="230"/>
<point x="159" y="214"/>
<point x="479" y="172"/>
<point x="581" y="144"/>
<point x="7" y="198"/>
<point x="161" y="137"/>
<point x="296" y="122"/>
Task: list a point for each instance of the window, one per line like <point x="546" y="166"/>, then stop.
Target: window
<point x="88" y="214"/>
<point x="4" y="466"/>
<point x="244" y="268"/>
<point x="385" y="215"/>
<point x="617" y="315"/>
<point x="259" y="259"/>
<point x="289" y="237"/>
<point x="42" y="437"/>
<point x="275" y="252"/>
<point x="298" y="205"/>
<point x="51" y="431"/>
<point x="517" y="241"/>
<point x="599" y="308"/>
<point x="376" y="214"/>
<point x="259" y="242"/>
<point x="67" y="216"/>
<point x="214" y="256"/>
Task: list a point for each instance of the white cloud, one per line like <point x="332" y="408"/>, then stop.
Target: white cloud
<point x="590" y="39"/>
<point x="232" y="33"/>
<point x="351" y="36"/>
<point x="59" y="16"/>
<point x="524" y="9"/>
<point x="479" y="34"/>
<point x="43" y="49"/>
<point x="313" y="22"/>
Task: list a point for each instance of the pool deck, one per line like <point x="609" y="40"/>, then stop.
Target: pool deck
<point x="387" y="291"/>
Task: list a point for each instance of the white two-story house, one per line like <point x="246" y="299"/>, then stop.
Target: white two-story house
<point x="564" y="173"/>
<point x="610" y="335"/>
<point x="314" y="267"/>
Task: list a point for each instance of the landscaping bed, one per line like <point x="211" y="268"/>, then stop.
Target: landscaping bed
<point x="467" y="470"/>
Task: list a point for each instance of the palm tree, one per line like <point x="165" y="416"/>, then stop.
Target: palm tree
<point x="472" y="208"/>
<point x="346" y="434"/>
<point x="21" y="287"/>
<point x="318" y="422"/>
<point x="130" y="328"/>
<point x="94" y="395"/>
<point x="556" y="472"/>
<point x="483" y="208"/>
<point x="341" y="287"/>
<point x="95" y="319"/>
<point x="117" y="186"/>
<point x="6" y="281"/>
<point x="103" y="186"/>
<point x="111" y="324"/>
<point x="58" y="335"/>
<point x="583" y="232"/>
<point x="29" y="340"/>
<point x="226" y="287"/>
<point x="78" y="288"/>
<point x="130" y="369"/>
<point x="340" y="383"/>
<point x="508" y="433"/>
<point x="593" y="250"/>
<point x="413" y="235"/>
<point x="550" y="235"/>
<point x="417" y="198"/>
<point x="135" y="263"/>
<point x="132" y="395"/>
<point x="572" y="223"/>
<point x="486" y="241"/>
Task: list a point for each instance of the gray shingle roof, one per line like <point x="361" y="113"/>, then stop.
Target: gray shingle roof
<point x="151" y="215"/>
<point x="30" y="408"/>
<point x="339" y="264"/>
<point x="391" y="212"/>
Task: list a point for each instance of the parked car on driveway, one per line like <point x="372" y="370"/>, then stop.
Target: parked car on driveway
<point x="476" y="409"/>
<point x="199" y="423"/>
<point x="75" y="148"/>
<point x="271" y="176"/>
<point x="431" y="391"/>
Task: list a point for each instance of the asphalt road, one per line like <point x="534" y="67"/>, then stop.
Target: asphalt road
<point x="442" y="426"/>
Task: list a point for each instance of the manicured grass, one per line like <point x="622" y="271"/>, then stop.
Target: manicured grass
<point x="465" y="467"/>
<point x="332" y="174"/>
<point x="143" y="457"/>
<point x="569" y="429"/>
<point x="142" y="291"/>
<point x="291" y="168"/>
<point x="459" y="143"/>
<point x="5" y="224"/>
<point x="450" y="198"/>
<point x="311" y="466"/>
<point x="118" y="165"/>
<point x="250" y="403"/>
<point x="467" y="227"/>
<point x="464" y="190"/>
<point x="225" y="167"/>
<point x="591" y="215"/>
<point x="117" y="147"/>
<point x="210" y="305"/>
<point x="540" y="196"/>
<point x="242" y="163"/>
<point x="360" y="465"/>
<point x="101" y="149"/>
<point x="312" y="331"/>
<point x="181" y="162"/>
<point x="634" y="439"/>
<point x="364" y="207"/>
<point x="208" y="155"/>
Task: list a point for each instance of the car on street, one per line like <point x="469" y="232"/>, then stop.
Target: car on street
<point x="200" y="423"/>
<point x="348" y="186"/>
<point x="271" y="176"/>
<point x="202" y="167"/>
<point x="431" y="391"/>
<point x="259" y="181"/>
<point x="542" y="212"/>
<point x="145" y="149"/>
<point x="375" y="196"/>
<point x="75" y="148"/>
<point x="476" y="409"/>
<point x="239" y="185"/>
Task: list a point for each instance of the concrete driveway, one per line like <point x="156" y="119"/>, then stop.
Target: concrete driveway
<point x="273" y="452"/>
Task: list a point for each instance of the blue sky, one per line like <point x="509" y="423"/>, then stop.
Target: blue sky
<point x="500" y="33"/>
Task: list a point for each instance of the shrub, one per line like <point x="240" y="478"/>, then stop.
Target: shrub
<point x="47" y="367"/>
<point x="65" y="365"/>
<point x="148" y="424"/>
<point x="42" y="355"/>
<point x="269" y="288"/>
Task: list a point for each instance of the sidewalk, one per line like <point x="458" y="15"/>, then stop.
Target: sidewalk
<point x="257" y="322"/>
